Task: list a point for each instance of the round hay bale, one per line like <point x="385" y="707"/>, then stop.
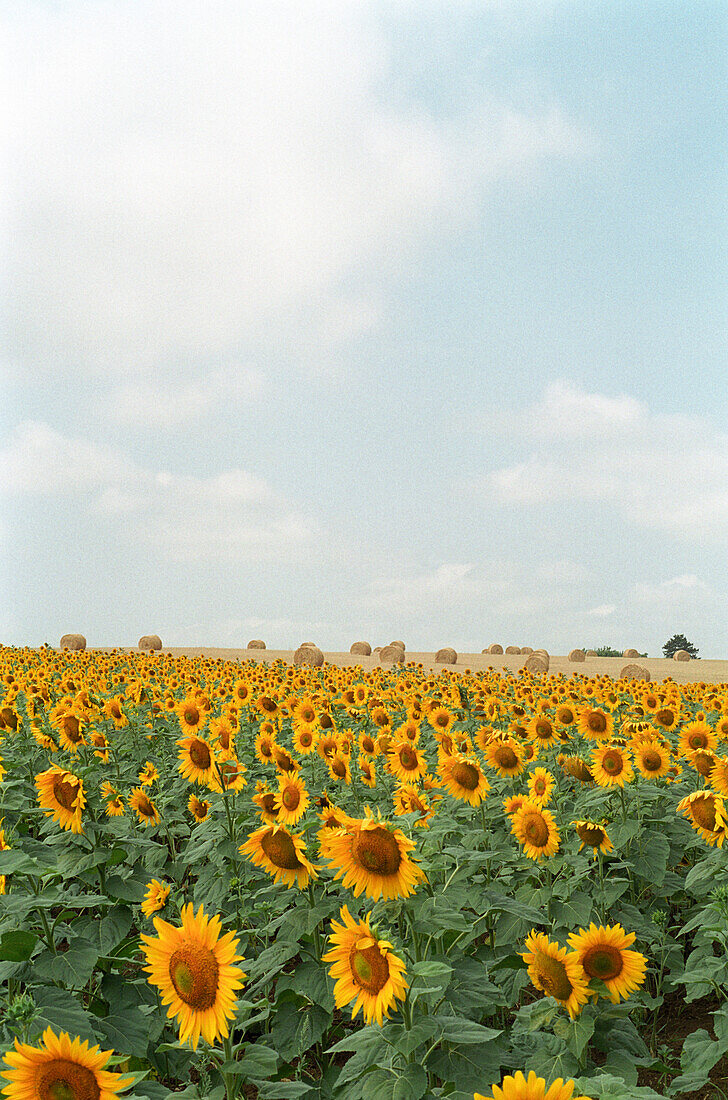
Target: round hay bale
<point x="255" y="644"/>
<point x="308" y="643"/>
<point x="391" y="654"/>
<point x="308" y="654"/>
<point x="495" y="648"/>
<point x="541" y="653"/>
<point x="591" y="653"/>
<point x="630" y="653"/>
<point x="76" y="642"/>
<point x="377" y="649"/>
<point x="150" y="641"/>
<point x="681" y="655"/>
<point x="537" y="664"/>
<point x="634" y="672"/>
<point x="401" y="645"/>
<point x="513" y="649"/>
<point x="446" y="656"/>
<point x="527" y="649"/>
<point x="361" y="648"/>
<point x="577" y="655"/>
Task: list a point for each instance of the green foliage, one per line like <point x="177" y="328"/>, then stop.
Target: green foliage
<point x="679" y="641"/>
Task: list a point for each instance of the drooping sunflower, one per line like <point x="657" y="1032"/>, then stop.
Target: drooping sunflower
<point x="652" y="759"/>
<point x="283" y="760"/>
<point x="594" y="835"/>
<point x="367" y="772"/>
<point x="368" y="744"/>
<point x="281" y="854"/>
<point x="155" y="897"/>
<point x="406" y="762"/>
<point x="707" y="814"/>
<point x="603" y="953"/>
<point x="408" y="800"/>
<point x="198" y="807"/>
<point x="147" y="812"/>
<point x="535" y="830"/>
<point x="339" y="768"/>
<point x="505" y="755"/>
<point x="60" y="1069"/>
<point x="702" y="761"/>
<point x="292" y="799"/>
<point x="611" y="766"/>
<point x="540" y="786"/>
<point x="229" y="773"/>
<point x="115" y="806"/>
<point x="556" y="971"/>
<point x="532" y="1088"/>
<point x="596" y="724"/>
<point x="719" y="776"/>
<point x="193" y="967"/>
<point x="576" y="767"/>
<point x="365" y="969"/>
<point x="197" y="760"/>
<point x="373" y="859"/>
<point x="61" y="796"/>
<point x="148" y="774"/>
<point x="265" y="800"/>
<point x="462" y="777"/>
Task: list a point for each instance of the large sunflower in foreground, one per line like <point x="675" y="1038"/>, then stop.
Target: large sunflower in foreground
<point x="193" y="967"/>
<point x="612" y="766"/>
<point x="706" y="812"/>
<point x="61" y="795"/>
<point x="533" y="1088"/>
<point x="370" y="857"/>
<point x="557" y="972"/>
<point x="60" y="1069"/>
<point x="281" y="854"/>
<point x="364" y="969"/>
<point x="604" y="954"/>
<point x="462" y="777"/>
<point x="535" y="829"/>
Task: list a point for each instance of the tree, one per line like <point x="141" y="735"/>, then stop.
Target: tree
<point x="679" y="641"/>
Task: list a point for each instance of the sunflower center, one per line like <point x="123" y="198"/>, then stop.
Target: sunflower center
<point x="539" y="786"/>
<point x="442" y="720"/>
<point x="697" y="741"/>
<point x="281" y="851"/>
<point x="369" y="968"/>
<point x="66" y="793"/>
<point x="200" y="755"/>
<point x="305" y="739"/>
<point x="592" y="836"/>
<point x="338" y="767"/>
<point x="465" y="775"/>
<point x="553" y="977"/>
<point x="268" y="705"/>
<point x="291" y="798"/>
<point x="326" y="723"/>
<point x="228" y="773"/>
<point x="536" y="831"/>
<point x="195" y="973"/>
<point x="408" y="759"/>
<point x="603" y="961"/>
<point x="613" y="763"/>
<point x="543" y="730"/>
<point x="566" y="716"/>
<point x="651" y="760"/>
<point x="377" y="851"/>
<point x="191" y="716"/>
<point x="506" y="757"/>
<point x="703" y="813"/>
<point x="115" y="710"/>
<point x="308" y="714"/>
<point x="703" y="763"/>
<point x="367" y="743"/>
<point x="269" y="803"/>
<point x="597" y="723"/>
<point x="72" y="728"/>
<point x="64" y="1080"/>
<point x="145" y="807"/>
<point x="665" y="717"/>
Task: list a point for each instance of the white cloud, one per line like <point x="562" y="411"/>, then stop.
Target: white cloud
<point x="687" y="587"/>
<point x="190" y="180"/>
<point x="168" y="404"/>
<point x="38" y="459"/>
<point x="665" y="472"/>
<point x="603" y="611"/>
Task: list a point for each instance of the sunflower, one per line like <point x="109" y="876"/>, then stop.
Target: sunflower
<point x="364" y="969"/>
<point x="371" y="858"/>
<point x="592" y="834"/>
<point x="576" y="767"/>
<point x="695" y="736"/>
<point x="406" y="762"/>
<point x="541" y="730"/>
<point x="367" y="772"/>
<point x="462" y="778"/>
<point x="533" y="1088"/>
<point x="265" y="800"/>
<point x="535" y="829"/>
<point x="719" y="776"/>
<point x="556" y="971"/>
<point x="4" y="847"/>
<point x="61" y="796"/>
<point x="339" y="768"/>
<point x="603" y="953"/>
<point x="191" y="715"/>
<point x="292" y="799"/>
<point x="197" y="760"/>
<point x="283" y="760"/>
<point x="611" y="767"/>
<point x="281" y="854"/>
<point x="380" y="717"/>
<point x="327" y="746"/>
<point x="652" y="759"/>
<point x="148" y="774"/>
<point x="198" y="807"/>
<point x="304" y="738"/>
<point x="113" y="709"/>
<point x="115" y="806"/>
<point x="667" y="717"/>
<point x="222" y="734"/>
<point x="407" y="800"/>
<point x="242" y="692"/>
<point x="147" y="812"/>
<point x="60" y="1069"/>
<point x="155" y="897"/>
<point x="368" y="744"/>
<point x="596" y="724"/>
<point x="540" y="786"/>
<point x="506" y="756"/>
<point x="230" y="774"/>
<point x="703" y="761"/>
<point x="707" y="814"/>
<point x="193" y="967"/>
<point x="513" y="803"/>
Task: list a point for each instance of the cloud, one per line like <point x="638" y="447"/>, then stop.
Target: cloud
<point x="195" y="181"/>
<point x="659" y="471"/>
<point x="168" y="404"/>
<point x="603" y="611"/>
<point x="687" y="587"/>
<point x="38" y="459"/>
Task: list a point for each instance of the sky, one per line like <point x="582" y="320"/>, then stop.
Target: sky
<point x="358" y="321"/>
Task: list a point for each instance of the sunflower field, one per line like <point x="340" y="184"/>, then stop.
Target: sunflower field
<point x="225" y="880"/>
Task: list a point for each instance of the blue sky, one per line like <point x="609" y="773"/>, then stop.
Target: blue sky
<point x="332" y="321"/>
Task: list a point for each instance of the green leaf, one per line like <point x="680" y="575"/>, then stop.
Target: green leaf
<point x="297" y="1026"/>
<point x="411" y="1084"/>
<point x="257" y="1061"/>
<point x="17" y="946"/>
<point x="13" y="861"/>
<point x="71" y="968"/>
<point x="113" y="928"/>
<point x="699" y="1054"/>
<point x="282" y="1090"/>
<point x="60" y="1010"/>
<point x="651" y="862"/>
<point x="510" y="962"/>
<point x="575" y="1033"/>
<point x="127" y="1032"/>
<point x="458" y="1029"/>
<point x="127" y="889"/>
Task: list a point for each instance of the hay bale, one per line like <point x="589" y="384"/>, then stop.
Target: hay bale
<point x="513" y="649"/>
<point x="391" y="654"/>
<point x="537" y="664"/>
<point x="150" y="641"/>
<point x="681" y="655"/>
<point x="363" y="649"/>
<point x="308" y="654"/>
<point x="377" y="649"/>
<point x="541" y="653"/>
<point x="76" y="642"/>
<point x="527" y="649"/>
<point x="446" y="656"/>
<point x="255" y="644"/>
<point x="634" y="672"/>
<point x="591" y="653"/>
<point x="400" y="644"/>
<point x="495" y="648"/>
<point x="577" y="655"/>
<point x="630" y="653"/>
